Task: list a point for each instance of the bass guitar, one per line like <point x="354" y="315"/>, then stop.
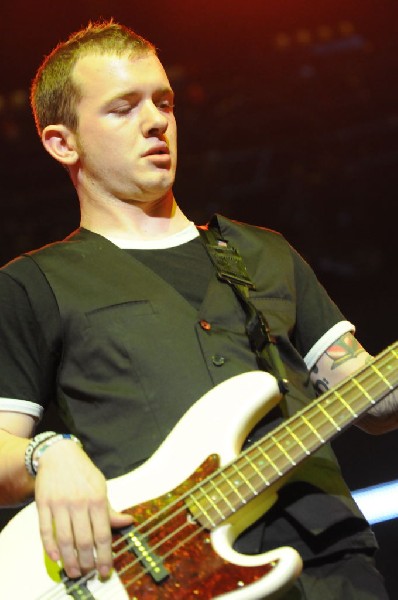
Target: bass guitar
<point x="196" y="494"/>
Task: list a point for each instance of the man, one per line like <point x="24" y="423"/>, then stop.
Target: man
<point x="125" y="325"/>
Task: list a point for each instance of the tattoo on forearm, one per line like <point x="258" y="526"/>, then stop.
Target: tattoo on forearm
<point x="321" y="385"/>
<point x="344" y="349"/>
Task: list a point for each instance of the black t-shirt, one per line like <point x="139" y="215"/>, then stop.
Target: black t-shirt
<point x="187" y="268"/>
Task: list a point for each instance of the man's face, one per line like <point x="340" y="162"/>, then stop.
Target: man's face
<point x="126" y="136"/>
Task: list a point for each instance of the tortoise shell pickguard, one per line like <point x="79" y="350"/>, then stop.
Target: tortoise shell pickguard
<point x="184" y="549"/>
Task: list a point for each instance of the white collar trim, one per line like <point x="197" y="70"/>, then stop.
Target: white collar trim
<point x="177" y="239"/>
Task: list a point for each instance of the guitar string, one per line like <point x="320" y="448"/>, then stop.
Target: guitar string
<point x="202" y="484"/>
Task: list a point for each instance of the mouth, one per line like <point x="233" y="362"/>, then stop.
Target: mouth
<point x="159" y="150"/>
<point x="159" y="156"/>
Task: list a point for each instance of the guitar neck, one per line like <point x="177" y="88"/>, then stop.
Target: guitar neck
<point x="276" y="454"/>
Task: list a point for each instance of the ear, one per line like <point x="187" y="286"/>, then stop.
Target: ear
<point x="60" y="142"/>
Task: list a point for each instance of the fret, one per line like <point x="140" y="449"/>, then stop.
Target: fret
<point x="333" y="422"/>
<point x="211" y="501"/>
<point x="222" y="495"/>
<point x="256" y="469"/>
<point x="309" y="424"/>
<point x="285" y="452"/>
<point x="297" y="439"/>
<point x="376" y="370"/>
<point x="371" y="387"/>
<point x="201" y="509"/>
<point x="271" y="462"/>
<point x="340" y="409"/>
<point x="347" y="406"/>
<point x="261" y="465"/>
<point x="246" y="481"/>
<point x="392" y="368"/>
<point x="303" y="436"/>
<point x="362" y="389"/>
<point x="233" y="487"/>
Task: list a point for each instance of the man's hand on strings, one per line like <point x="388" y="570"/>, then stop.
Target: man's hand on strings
<point x="74" y="513"/>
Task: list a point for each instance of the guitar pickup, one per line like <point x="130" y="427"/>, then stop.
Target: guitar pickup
<point x="76" y="588"/>
<point x="149" y="559"/>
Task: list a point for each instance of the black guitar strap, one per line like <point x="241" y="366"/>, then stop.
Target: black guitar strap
<point x="231" y="269"/>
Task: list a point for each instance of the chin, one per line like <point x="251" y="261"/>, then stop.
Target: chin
<point x="149" y="195"/>
<point x="159" y="188"/>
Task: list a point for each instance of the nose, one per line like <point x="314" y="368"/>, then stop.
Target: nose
<point x="154" y="121"/>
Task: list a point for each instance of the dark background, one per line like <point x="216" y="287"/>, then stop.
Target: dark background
<point x="288" y="118"/>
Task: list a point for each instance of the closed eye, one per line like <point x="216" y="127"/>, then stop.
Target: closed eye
<point x="166" y="105"/>
<point x="121" y="110"/>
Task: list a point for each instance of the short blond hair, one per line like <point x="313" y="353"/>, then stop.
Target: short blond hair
<point x="54" y="95"/>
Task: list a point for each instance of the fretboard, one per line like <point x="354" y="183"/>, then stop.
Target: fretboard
<point x="276" y="454"/>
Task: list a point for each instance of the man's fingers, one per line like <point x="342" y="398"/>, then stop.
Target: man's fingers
<point x="83" y="540"/>
<point x="102" y="520"/>
<point x="119" y="519"/>
<point x="75" y="517"/>
<point x="47" y="532"/>
<point x="58" y="539"/>
<point x="102" y="535"/>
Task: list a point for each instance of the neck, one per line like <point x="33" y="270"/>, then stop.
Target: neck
<point x="139" y="220"/>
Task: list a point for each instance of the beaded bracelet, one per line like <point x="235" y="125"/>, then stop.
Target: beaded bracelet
<point x="49" y="442"/>
<point x="33" y="444"/>
<point x="39" y="446"/>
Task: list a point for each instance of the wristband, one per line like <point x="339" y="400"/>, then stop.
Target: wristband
<point x="40" y="444"/>
<point x="36" y="455"/>
<point x="33" y="444"/>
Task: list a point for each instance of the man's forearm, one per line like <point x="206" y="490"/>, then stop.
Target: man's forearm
<point x="341" y="360"/>
<point x="16" y="485"/>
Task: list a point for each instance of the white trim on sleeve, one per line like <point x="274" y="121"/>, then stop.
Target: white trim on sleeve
<point x="21" y="406"/>
<point x="326" y="341"/>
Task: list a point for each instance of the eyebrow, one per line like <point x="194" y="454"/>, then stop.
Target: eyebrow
<point x="131" y="93"/>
